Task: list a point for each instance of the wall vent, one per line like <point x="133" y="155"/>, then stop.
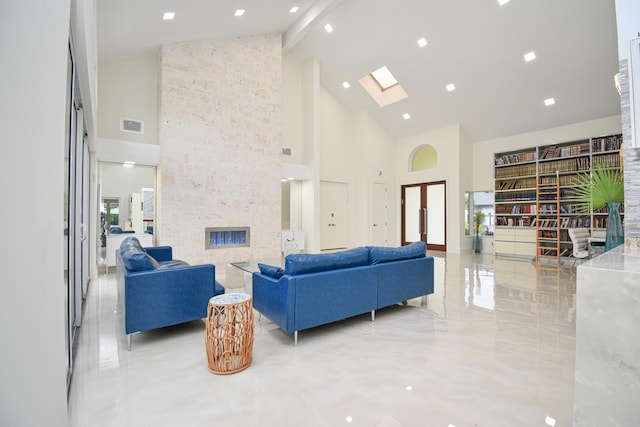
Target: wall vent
<point x="286" y="151"/>
<point x="130" y="125"/>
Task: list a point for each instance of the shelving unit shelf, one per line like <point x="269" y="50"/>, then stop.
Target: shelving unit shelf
<point x="534" y="202"/>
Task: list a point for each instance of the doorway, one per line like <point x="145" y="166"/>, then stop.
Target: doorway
<point x="424" y="214"/>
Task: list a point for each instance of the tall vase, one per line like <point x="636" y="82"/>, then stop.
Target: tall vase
<point x="615" y="232"/>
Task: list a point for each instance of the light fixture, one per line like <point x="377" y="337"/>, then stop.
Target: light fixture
<point x="384" y="78"/>
<point x="409" y="388"/>
<point x="168" y="16"/>
<point x="239" y="12"/>
<point x="349" y="419"/>
<point x="451" y="87"/>
<point x="503" y="2"/>
<point x="422" y="42"/>
<point x="529" y="56"/>
<point x="346" y="85"/>
<point x="294" y="9"/>
<point x="549" y="101"/>
<point x="550" y="421"/>
<point x="128" y="164"/>
<point x="406" y="116"/>
<point x="328" y="28"/>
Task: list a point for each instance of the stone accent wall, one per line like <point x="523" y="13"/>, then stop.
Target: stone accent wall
<point x="220" y="137"/>
<point x="631" y="161"/>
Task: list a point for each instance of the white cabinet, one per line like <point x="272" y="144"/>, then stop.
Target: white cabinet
<point x="515" y="241"/>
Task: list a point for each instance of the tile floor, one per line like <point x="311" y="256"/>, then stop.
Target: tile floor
<point x="494" y="346"/>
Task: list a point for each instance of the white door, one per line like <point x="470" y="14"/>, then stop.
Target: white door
<point x="379" y="215"/>
<point x="334" y="204"/>
<point x="413" y="213"/>
<point x="435" y="220"/>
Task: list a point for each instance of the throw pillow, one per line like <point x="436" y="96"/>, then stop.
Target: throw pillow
<point x="135" y="260"/>
<point x="271" y="271"/>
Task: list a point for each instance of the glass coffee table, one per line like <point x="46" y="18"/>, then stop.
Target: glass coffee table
<point x="239" y="274"/>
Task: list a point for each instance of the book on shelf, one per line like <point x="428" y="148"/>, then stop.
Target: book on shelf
<point x="606" y="143"/>
<point x="515" y="171"/>
<point x="507" y="159"/>
<point x="567" y="165"/>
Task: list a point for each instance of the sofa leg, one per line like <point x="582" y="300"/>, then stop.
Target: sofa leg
<point x="373" y="315"/>
<point x="129" y="341"/>
<point x="295" y="338"/>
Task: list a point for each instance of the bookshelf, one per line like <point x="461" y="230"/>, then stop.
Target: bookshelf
<point x="548" y="241"/>
<point x="534" y="206"/>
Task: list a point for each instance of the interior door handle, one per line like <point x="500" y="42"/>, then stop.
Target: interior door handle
<point x="425" y="221"/>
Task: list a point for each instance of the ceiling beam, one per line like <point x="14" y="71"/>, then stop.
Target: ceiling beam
<point x="306" y="22"/>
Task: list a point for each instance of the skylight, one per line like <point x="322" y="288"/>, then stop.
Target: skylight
<point x="383" y="87"/>
<point x="384" y="78"/>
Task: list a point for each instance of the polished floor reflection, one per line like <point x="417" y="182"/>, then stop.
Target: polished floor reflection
<point x="494" y="346"/>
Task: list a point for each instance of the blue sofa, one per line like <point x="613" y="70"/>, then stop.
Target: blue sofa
<point x="316" y="289"/>
<point x="155" y="291"/>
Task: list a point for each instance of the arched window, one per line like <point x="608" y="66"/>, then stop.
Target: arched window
<point x="424" y="157"/>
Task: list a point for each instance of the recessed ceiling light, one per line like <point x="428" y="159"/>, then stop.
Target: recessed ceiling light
<point x="409" y="388"/>
<point x="346" y="85"/>
<point x="328" y="28"/>
<point x="450" y="87"/>
<point x="550" y="421"/>
<point x="349" y="419"/>
<point x="549" y="101"/>
<point x="239" y="12"/>
<point x="168" y="16"/>
<point x="503" y="2"/>
<point x="422" y="42"/>
<point x="294" y="9"/>
<point x="406" y="116"/>
<point x="529" y="56"/>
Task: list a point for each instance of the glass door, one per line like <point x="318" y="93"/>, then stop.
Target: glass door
<point x="424" y="214"/>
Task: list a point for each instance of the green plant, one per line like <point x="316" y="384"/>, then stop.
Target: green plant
<point x="595" y="189"/>
<point x="478" y="219"/>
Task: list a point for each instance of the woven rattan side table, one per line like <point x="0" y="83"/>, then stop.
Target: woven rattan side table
<point x="229" y="333"/>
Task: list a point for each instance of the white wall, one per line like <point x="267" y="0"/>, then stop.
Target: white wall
<point x="129" y="89"/>
<point x="34" y="45"/>
<point x="292" y="109"/>
<point x="373" y="162"/>
<point x="483" y="152"/>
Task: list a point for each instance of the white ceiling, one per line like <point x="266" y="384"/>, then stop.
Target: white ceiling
<point x="475" y="44"/>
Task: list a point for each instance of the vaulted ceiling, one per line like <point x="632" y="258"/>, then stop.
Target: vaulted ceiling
<point x="477" y="45"/>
